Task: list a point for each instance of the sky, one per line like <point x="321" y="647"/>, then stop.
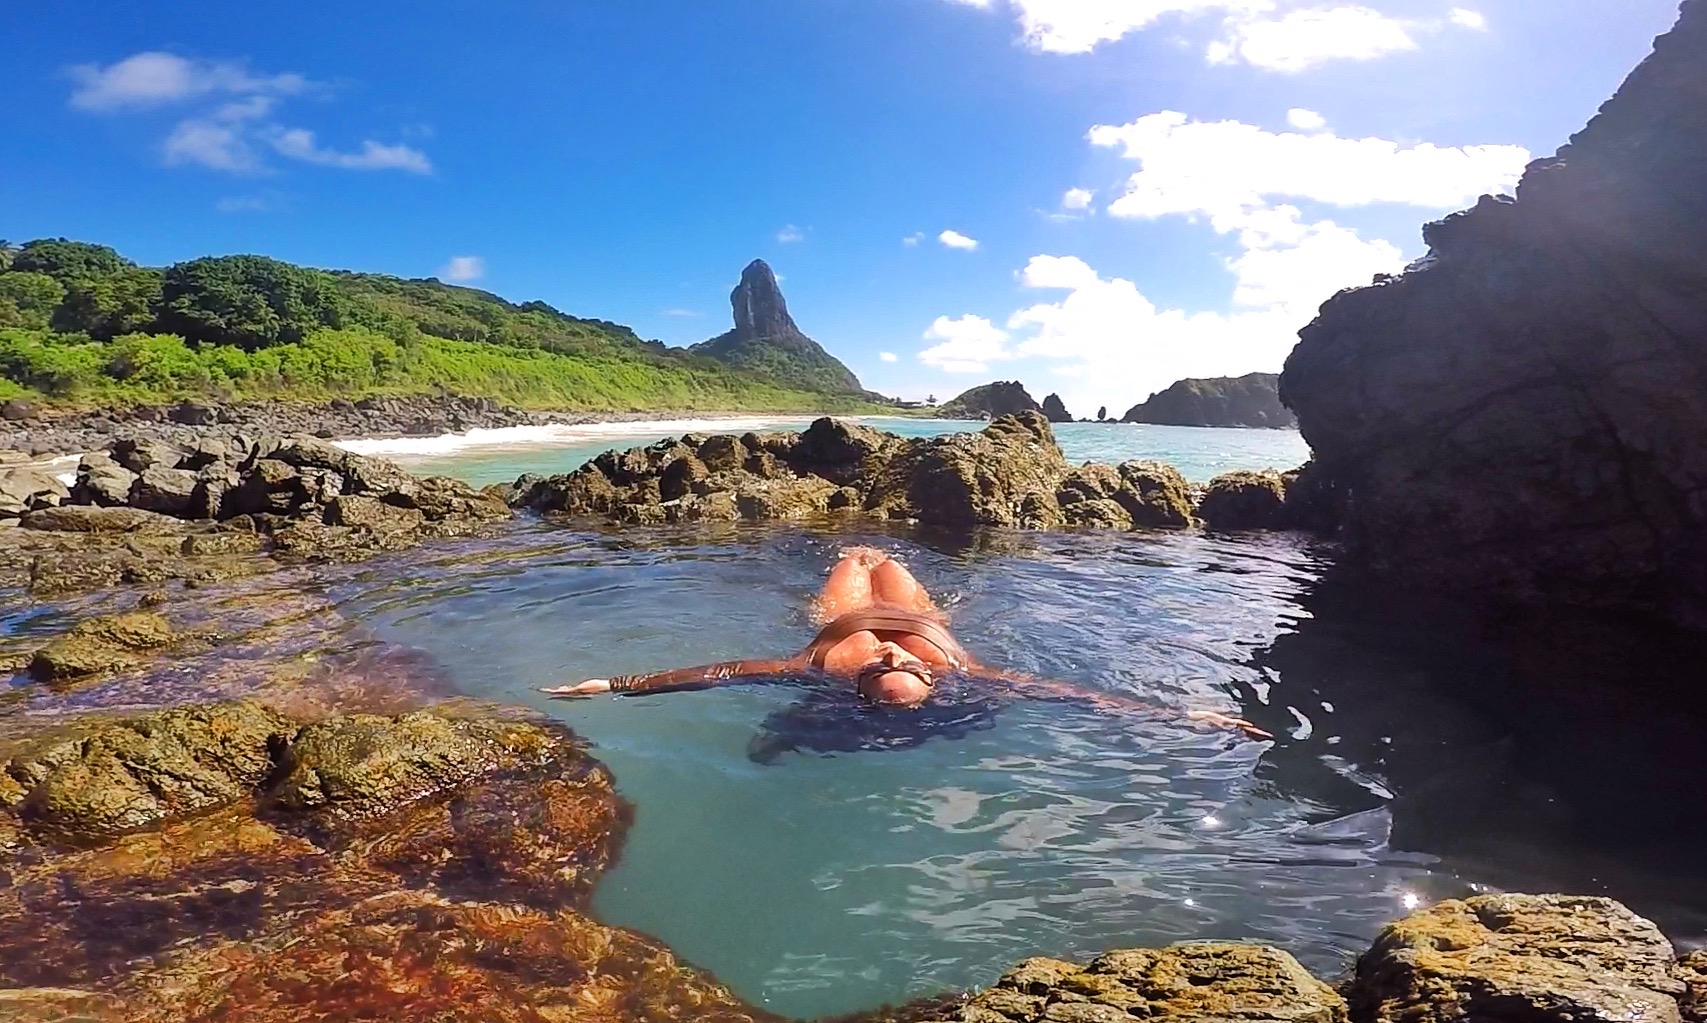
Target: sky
<point x="1097" y="197"/>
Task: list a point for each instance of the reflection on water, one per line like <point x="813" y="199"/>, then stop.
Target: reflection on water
<point x="819" y="881"/>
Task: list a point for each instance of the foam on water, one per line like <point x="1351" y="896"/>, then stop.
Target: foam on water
<point x="552" y="435"/>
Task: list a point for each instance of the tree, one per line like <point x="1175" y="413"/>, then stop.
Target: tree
<point x="249" y="301"/>
<point x="64" y="260"/>
<point x="28" y="299"/>
<point x="108" y="306"/>
<point x="7" y="252"/>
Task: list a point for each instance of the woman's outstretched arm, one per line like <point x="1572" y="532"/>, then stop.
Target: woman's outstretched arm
<point x="1035" y="688"/>
<point x="676" y="680"/>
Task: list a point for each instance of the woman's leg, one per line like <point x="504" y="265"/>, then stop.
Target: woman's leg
<point x="892" y="584"/>
<point x="849" y="587"/>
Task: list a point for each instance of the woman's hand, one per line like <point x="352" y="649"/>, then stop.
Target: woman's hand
<point x="591" y="687"/>
<point x="1220" y="720"/>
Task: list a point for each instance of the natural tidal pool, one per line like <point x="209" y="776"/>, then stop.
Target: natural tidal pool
<point x="827" y="860"/>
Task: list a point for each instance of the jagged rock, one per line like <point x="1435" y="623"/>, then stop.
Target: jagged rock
<point x="27" y="490"/>
<point x="86" y="519"/>
<point x="1522" y="415"/>
<point x="843" y="452"/>
<point x="1252" y="400"/>
<point x="1226" y="983"/>
<point x="784" y="499"/>
<point x="1004" y="476"/>
<point x="102" y="481"/>
<point x="1155" y="495"/>
<point x="1692" y="970"/>
<point x="682" y="476"/>
<point x="102" y="646"/>
<point x="110" y="778"/>
<point x="721" y="453"/>
<point x="371" y="513"/>
<point x="1572" y="959"/>
<point x="139" y="456"/>
<point x="167" y="491"/>
<point x="1245" y="500"/>
<point x="361" y="765"/>
<point x="766" y="339"/>
<point x="1055" y="410"/>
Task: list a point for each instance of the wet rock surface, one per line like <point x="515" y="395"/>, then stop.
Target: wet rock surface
<point x="1519" y="957"/>
<point x="1010" y="475"/>
<point x="1523" y="414"/>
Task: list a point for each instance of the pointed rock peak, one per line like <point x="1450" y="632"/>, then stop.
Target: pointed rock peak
<point x="760" y="310"/>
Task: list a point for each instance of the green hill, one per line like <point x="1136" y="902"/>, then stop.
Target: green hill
<point x="989" y="401"/>
<point x="81" y="325"/>
<point x="1251" y="400"/>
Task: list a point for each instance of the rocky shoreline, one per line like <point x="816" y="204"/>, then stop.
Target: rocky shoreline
<point x="205" y="813"/>
<point x="1010" y="475"/>
<point x="51" y="432"/>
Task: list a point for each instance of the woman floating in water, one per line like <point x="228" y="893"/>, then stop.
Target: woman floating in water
<point x="886" y="636"/>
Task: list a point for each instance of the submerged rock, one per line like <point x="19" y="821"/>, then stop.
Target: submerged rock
<point x="1518" y="957"/>
<point x="103" y="646"/>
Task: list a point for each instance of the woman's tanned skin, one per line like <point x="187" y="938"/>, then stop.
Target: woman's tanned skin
<point x="896" y="668"/>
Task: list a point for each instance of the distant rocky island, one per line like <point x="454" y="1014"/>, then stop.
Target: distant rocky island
<point x="1523" y="414"/>
<point x="1002" y="398"/>
<point x="1252" y="400"/>
<point x="767" y="342"/>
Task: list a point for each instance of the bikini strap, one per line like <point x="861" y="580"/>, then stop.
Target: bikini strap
<point x="877" y="619"/>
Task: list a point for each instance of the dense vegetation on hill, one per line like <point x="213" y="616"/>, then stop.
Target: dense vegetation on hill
<point x="81" y="325"/>
<point x="1001" y="398"/>
<point x="1250" y="400"/>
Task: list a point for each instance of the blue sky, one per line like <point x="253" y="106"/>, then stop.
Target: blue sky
<point x="1239" y="159"/>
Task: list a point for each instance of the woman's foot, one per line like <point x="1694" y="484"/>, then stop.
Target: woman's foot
<point x="866" y="557"/>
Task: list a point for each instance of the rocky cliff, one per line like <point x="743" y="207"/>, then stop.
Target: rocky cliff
<point x="990" y="401"/>
<point x="1523" y="413"/>
<point x="1055" y="410"/>
<point x="1252" y="400"/>
<point x="766" y="339"/>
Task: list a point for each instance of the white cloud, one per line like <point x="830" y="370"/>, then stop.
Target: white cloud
<point x="1305" y="120"/>
<point x="1256" y="32"/>
<point x="1463" y="17"/>
<point x="956" y="240"/>
<point x="231" y="114"/>
<point x="1108" y="342"/>
<point x="299" y="144"/>
<point x="683" y="313"/>
<point x="967" y="344"/>
<point x="154" y="79"/>
<point x="790" y="234"/>
<point x="243" y="204"/>
<point x="912" y="241"/>
<point x="1226" y="169"/>
<point x="1303" y="40"/>
<point x="1077" y="199"/>
<point x="888" y="357"/>
<point x="209" y="144"/>
<point x="463" y="268"/>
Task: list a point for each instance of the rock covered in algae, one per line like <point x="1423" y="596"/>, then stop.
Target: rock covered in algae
<point x="361" y="765"/>
<point x="1209" y="982"/>
<point x="105" y="777"/>
<point x="1245" y="500"/>
<point x="1518" y="958"/>
<point x="104" y="645"/>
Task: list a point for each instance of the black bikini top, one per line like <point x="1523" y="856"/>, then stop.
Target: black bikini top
<point x="887" y="620"/>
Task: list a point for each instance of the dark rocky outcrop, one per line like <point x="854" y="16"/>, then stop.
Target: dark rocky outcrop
<point x="1011" y="474"/>
<point x="1252" y="400"/>
<point x="766" y="339"/>
<point x="990" y="401"/>
<point x="1055" y="410"/>
<point x="1522" y="415"/>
